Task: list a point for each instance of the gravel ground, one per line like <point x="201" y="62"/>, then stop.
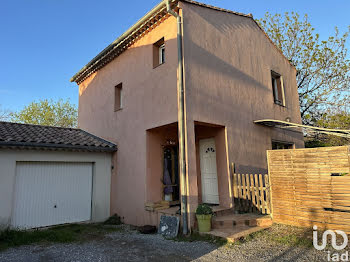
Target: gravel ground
<point x="132" y="246"/>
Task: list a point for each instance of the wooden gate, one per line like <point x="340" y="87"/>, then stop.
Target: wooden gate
<point x="252" y="193"/>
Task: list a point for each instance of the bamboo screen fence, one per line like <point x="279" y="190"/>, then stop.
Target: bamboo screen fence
<point x="311" y="187"/>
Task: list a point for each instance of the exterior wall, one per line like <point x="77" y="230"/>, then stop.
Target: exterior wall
<point x="228" y="63"/>
<point x="101" y="178"/>
<point x="149" y="100"/>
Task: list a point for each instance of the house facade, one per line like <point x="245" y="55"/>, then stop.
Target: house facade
<point x="233" y="75"/>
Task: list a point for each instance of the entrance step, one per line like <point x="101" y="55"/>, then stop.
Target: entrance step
<point x="238" y="220"/>
<point x="232" y="235"/>
<point x="222" y="211"/>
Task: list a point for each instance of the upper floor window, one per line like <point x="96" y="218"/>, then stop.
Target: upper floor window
<point x="162" y="54"/>
<point x="118" y="97"/>
<point x="159" y="53"/>
<point x="278" y="89"/>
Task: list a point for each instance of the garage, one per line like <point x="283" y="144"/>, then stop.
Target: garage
<point x="52" y="176"/>
<point x="52" y="193"/>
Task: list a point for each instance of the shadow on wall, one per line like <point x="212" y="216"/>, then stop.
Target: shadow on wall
<point x="143" y="85"/>
<point x="243" y="169"/>
<point x="223" y="22"/>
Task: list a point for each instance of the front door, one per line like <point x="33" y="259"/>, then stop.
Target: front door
<point x="210" y="193"/>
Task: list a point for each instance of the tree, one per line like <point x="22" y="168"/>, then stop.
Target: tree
<point x="323" y="67"/>
<point x="4" y="114"/>
<point x="335" y="119"/>
<point x="48" y="112"/>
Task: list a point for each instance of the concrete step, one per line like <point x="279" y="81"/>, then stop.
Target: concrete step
<point x="235" y="220"/>
<point x="232" y="235"/>
<point x="222" y="211"/>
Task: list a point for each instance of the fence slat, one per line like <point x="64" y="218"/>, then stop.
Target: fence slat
<point x="257" y="193"/>
<point x="263" y="210"/>
<point x="244" y="194"/>
<point x="234" y="182"/>
<point x="249" y="201"/>
<point x="240" y="196"/>
<point x="253" y="192"/>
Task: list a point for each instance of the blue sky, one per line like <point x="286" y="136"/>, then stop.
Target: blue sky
<point x="44" y="42"/>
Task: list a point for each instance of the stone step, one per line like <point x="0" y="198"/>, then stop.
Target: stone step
<point x="232" y="235"/>
<point x="236" y="220"/>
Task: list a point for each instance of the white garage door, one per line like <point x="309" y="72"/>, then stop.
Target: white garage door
<point x="51" y="193"/>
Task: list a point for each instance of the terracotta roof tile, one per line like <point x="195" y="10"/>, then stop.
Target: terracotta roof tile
<point x="36" y="136"/>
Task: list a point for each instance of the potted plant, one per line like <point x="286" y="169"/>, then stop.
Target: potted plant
<point x="204" y="214"/>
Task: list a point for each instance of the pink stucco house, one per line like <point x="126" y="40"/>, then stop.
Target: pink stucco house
<point x="232" y="75"/>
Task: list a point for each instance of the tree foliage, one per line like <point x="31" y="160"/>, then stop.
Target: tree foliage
<point x="335" y="119"/>
<point x="48" y="112"/>
<point x="323" y="67"/>
<point x="4" y="114"/>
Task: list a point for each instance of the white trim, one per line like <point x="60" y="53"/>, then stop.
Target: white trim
<point x="161" y="49"/>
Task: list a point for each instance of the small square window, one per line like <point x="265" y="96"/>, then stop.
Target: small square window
<point x="278" y="89"/>
<point x="158" y="53"/>
<point x="118" y="98"/>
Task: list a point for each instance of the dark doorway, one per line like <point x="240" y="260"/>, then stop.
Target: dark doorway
<point x="171" y="174"/>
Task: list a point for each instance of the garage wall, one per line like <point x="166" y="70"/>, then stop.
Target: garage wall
<point x="101" y="178"/>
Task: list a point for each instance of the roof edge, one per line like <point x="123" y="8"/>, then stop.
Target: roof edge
<point x="90" y="67"/>
<point x="56" y="146"/>
<point x="147" y="16"/>
<point x="215" y="8"/>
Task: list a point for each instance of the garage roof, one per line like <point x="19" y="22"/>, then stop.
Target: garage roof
<point x="48" y="137"/>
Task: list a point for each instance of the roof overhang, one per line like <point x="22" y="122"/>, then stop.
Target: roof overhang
<point x="305" y="128"/>
<point x="47" y="146"/>
<point x="152" y="19"/>
<point x="144" y="25"/>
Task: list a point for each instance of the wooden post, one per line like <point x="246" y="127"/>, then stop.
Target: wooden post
<point x="267" y="192"/>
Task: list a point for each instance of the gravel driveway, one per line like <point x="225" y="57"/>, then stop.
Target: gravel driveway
<point x="132" y="246"/>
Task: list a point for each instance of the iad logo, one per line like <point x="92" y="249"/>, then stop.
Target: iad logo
<point x="335" y="256"/>
<point x="334" y="239"/>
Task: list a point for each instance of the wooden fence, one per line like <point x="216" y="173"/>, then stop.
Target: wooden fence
<point x="252" y="193"/>
<point x="311" y="187"/>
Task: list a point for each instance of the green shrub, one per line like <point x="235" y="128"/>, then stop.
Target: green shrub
<point x="113" y="220"/>
<point x="204" y="209"/>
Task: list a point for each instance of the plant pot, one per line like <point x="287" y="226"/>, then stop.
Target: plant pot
<point x="204" y="223"/>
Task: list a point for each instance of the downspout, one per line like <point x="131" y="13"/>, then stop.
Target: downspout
<point x="181" y="119"/>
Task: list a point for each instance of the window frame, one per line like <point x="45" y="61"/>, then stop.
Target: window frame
<point x="118" y="89"/>
<point x="161" y="54"/>
<point x="278" y="96"/>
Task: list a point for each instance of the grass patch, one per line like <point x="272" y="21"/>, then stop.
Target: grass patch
<point x="285" y="235"/>
<point x="59" y="234"/>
